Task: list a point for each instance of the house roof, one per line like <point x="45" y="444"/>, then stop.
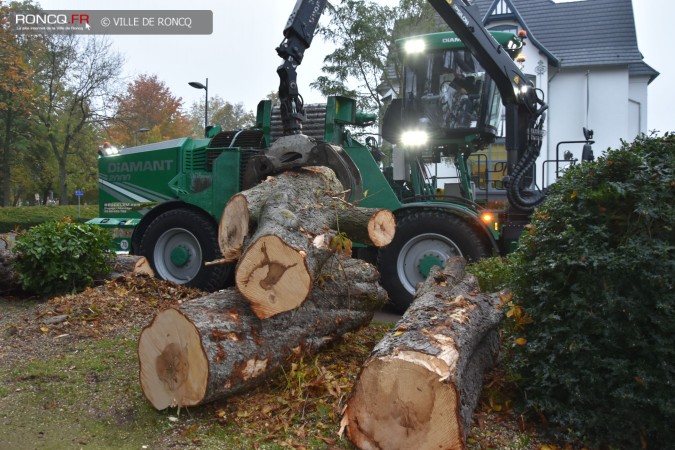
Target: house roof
<point x="580" y="33"/>
<point x="643" y="69"/>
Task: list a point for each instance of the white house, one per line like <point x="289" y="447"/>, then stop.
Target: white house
<point x="584" y="56"/>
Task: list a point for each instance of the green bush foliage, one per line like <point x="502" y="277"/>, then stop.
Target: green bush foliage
<point x="58" y="257"/>
<point x="595" y="275"/>
<point x="24" y="217"/>
<point x="493" y="274"/>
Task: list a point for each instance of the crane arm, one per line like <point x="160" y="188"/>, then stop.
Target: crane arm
<point x="298" y="36"/>
<point x="524" y="109"/>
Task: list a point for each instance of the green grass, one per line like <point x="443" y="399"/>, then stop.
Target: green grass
<point x="88" y="394"/>
<point x="85" y="393"/>
<point x="24" y="217"/>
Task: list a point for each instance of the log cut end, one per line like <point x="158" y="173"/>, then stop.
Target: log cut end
<point x="173" y="366"/>
<point x="233" y="228"/>
<point x="143" y="266"/>
<point x="273" y="277"/>
<point x="401" y="404"/>
<point x="381" y="227"/>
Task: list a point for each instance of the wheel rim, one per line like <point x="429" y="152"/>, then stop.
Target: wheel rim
<point x="419" y="254"/>
<point x="177" y="256"/>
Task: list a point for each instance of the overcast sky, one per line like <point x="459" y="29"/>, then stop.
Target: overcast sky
<point x="240" y="62"/>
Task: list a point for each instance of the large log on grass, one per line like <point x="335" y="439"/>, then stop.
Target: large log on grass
<point x="284" y="229"/>
<point x="420" y="385"/>
<point x="214" y="346"/>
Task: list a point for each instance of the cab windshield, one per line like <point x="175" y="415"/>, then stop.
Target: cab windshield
<point x="453" y="92"/>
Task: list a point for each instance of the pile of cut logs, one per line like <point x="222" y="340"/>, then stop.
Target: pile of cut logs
<point x="297" y="290"/>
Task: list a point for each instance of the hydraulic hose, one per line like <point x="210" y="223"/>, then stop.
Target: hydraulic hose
<point x="519" y="196"/>
<point x="516" y="193"/>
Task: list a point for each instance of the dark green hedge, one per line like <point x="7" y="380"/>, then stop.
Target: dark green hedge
<point x="595" y="274"/>
<point x="24" y="217"/>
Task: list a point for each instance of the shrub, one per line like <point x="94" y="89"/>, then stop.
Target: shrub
<point x="57" y="257"/>
<point x="25" y="217"/>
<point x="595" y="274"/>
<point x="493" y="274"/>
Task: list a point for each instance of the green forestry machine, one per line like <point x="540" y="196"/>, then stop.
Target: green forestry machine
<point x="164" y="200"/>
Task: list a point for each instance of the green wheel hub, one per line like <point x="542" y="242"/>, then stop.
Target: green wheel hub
<point x="427" y="262"/>
<point x="180" y="256"/>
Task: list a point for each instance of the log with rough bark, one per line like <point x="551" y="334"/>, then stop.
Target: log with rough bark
<point x="131" y="264"/>
<point x="214" y="346"/>
<point x="421" y="383"/>
<point x="9" y="278"/>
<point x="284" y="229"/>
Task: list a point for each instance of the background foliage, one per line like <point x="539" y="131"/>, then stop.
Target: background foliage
<point x="147" y="104"/>
<point x="595" y="274"/>
<point x="23" y="217"/>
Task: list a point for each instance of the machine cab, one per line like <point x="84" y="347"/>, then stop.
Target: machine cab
<point x="446" y="99"/>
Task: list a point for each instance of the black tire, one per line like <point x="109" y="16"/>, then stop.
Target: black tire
<point x="178" y="243"/>
<point x="424" y="239"/>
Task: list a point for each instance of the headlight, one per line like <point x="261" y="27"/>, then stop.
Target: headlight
<point x="414" y="138"/>
<point x="521" y="90"/>
<point x="415" y="46"/>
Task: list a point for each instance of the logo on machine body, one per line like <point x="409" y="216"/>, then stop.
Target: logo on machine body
<point x="461" y="15"/>
<point x="140" y="166"/>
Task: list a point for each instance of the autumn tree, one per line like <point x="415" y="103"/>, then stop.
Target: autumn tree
<point x="36" y="170"/>
<point x="16" y="97"/>
<point x="229" y="116"/>
<point x="147" y="104"/>
<point x="77" y="79"/>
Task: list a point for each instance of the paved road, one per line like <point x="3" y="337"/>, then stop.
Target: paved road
<point x="386" y="316"/>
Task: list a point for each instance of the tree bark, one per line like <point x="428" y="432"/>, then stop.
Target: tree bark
<point x="282" y="231"/>
<point x="9" y="278"/>
<point x="131" y="263"/>
<point x="421" y="383"/>
<point x="363" y="225"/>
<point x="214" y="346"/>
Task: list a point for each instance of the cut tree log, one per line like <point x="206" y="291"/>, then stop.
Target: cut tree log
<point x="214" y="346"/>
<point x="9" y="278"/>
<point x="131" y="264"/>
<point x="284" y="229"/>
<point x="421" y="383"/>
<point x="363" y="225"/>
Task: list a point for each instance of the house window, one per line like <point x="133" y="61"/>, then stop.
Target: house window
<point x="506" y="28"/>
<point x="501" y="8"/>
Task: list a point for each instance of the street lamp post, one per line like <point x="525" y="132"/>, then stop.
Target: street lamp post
<point x="140" y="130"/>
<point x="198" y="85"/>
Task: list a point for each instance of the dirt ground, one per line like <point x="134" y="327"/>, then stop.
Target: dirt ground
<point x="69" y="379"/>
